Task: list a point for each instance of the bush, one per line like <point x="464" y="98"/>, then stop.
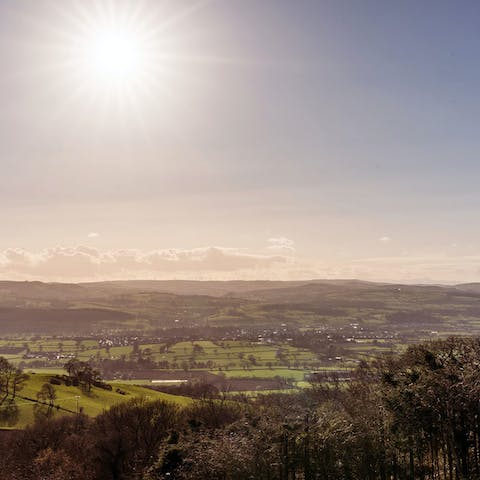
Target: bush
<point x="103" y="385"/>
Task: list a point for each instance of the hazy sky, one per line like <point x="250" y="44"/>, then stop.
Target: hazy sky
<point x="259" y="139"/>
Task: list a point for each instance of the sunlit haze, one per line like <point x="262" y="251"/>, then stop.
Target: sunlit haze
<point x="239" y="139"/>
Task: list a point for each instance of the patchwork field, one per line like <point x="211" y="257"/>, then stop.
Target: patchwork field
<point x="251" y="334"/>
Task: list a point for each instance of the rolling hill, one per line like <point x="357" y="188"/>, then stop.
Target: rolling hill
<point x="35" y="307"/>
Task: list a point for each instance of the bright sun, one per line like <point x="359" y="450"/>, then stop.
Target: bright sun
<point x="121" y="58"/>
<point x="114" y="56"/>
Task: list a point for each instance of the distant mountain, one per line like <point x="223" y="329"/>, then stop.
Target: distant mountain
<point x="149" y="305"/>
<point x="15" y="294"/>
<point x="195" y="287"/>
<point x="469" y="287"/>
<point x="217" y="288"/>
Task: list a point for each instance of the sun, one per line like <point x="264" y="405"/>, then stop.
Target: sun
<point x="113" y="55"/>
<point x="113" y="49"/>
<point x="118" y="63"/>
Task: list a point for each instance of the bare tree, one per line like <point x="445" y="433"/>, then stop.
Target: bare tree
<point x="12" y="380"/>
<point x="45" y="401"/>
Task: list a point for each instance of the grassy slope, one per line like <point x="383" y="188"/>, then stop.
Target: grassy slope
<point x="92" y="403"/>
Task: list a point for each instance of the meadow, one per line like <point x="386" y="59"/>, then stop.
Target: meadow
<point x="73" y="399"/>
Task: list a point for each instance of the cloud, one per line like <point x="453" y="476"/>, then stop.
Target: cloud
<point x="83" y="263"/>
<point x="281" y="243"/>
<point x="86" y="263"/>
<point x="385" y="239"/>
<point x="93" y="235"/>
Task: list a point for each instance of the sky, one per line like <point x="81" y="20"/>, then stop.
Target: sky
<point x="239" y="139"/>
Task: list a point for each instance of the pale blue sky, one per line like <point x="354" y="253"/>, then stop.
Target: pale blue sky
<point x="347" y="127"/>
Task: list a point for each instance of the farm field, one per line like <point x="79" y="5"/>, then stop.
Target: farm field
<point x="140" y="362"/>
<point x="296" y="375"/>
<point x="248" y="334"/>
<point x="207" y="355"/>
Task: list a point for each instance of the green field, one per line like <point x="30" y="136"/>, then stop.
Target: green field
<point x="91" y="403"/>
<point x="131" y="331"/>
<point x="296" y="375"/>
<point x="223" y="355"/>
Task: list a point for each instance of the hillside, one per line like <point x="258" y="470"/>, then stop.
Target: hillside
<point x="144" y="306"/>
<point x="91" y="403"/>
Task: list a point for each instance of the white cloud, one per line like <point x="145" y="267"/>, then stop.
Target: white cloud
<point x="86" y="263"/>
<point x="93" y="235"/>
<point x="82" y="263"/>
<point x="385" y="239"/>
<point x="281" y="243"/>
